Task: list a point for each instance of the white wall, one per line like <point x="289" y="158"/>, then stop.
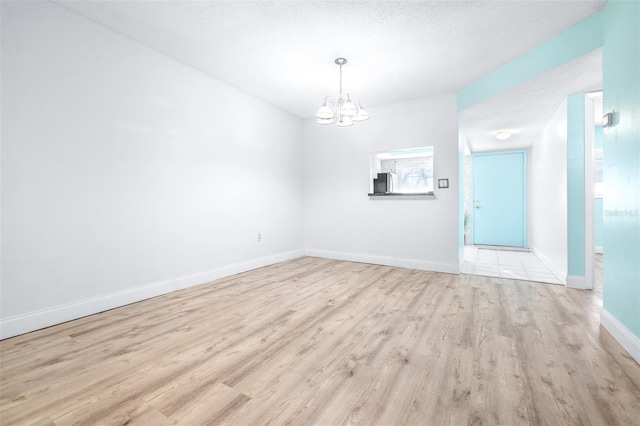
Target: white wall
<point x="548" y="193"/>
<point x="127" y="174"/>
<point x="342" y="222"/>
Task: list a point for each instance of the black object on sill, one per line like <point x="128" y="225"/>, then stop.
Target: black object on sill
<point x="382" y="184"/>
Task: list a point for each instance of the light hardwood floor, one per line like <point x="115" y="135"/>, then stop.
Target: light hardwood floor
<point x="317" y="341"/>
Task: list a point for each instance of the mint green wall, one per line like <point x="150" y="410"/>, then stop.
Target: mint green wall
<point x="597" y="138"/>
<point x="577" y="41"/>
<point x="597" y="203"/>
<point x="621" y="93"/>
<point x="575" y="185"/>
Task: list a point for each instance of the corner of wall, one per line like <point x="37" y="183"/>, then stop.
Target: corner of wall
<point x="20" y="324"/>
<point x="629" y="341"/>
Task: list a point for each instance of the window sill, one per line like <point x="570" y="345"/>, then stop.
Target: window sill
<point x="416" y="196"/>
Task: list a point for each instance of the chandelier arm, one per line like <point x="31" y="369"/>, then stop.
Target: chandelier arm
<point x="330" y="102"/>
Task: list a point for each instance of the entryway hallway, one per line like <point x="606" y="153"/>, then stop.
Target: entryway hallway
<point x="517" y="265"/>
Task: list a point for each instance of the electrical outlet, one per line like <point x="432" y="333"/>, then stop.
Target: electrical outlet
<point x="259" y="237"/>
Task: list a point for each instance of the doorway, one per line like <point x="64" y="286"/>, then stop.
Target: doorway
<point x="499" y="199"/>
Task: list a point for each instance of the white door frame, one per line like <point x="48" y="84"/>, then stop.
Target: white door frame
<point x="589" y="222"/>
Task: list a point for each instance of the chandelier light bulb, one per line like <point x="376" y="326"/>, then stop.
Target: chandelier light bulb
<point x="325" y="112"/>
<point x="348" y="108"/>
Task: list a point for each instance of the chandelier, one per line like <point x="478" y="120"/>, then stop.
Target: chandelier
<point x="345" y="111"/>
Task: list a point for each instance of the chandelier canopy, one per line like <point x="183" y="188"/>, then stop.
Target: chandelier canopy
<point x="346" y="111"/>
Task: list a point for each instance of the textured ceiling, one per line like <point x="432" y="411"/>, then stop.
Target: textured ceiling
<point x="526" y="109"/>
<point x="283" y="51"/>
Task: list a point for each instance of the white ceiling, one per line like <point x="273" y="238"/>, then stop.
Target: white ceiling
<point x="526" y="109"/>
<point x="283" y="51"/>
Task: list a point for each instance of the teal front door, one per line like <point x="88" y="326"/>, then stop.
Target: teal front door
<point x="499" y="199"/>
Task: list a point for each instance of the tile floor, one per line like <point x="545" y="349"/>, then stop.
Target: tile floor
<point x="517" y="265"/>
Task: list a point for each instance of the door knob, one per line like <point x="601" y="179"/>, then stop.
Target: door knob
<point x="477" y="207"/>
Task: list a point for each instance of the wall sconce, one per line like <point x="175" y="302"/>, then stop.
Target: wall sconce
<point x="607" y="120"/>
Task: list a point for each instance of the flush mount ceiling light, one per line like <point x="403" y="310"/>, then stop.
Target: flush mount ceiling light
<point x="345" y="111"/>
<point x="503" y="135"/>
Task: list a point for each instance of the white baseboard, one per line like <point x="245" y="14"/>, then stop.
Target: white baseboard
<point x="555" y="270"/>
<point x="599" y="250"/>
<point x="24" y="323"/>
<point x="448" y="268"/>
<point x="629" y="341"/>
<point x="578" y="282"/>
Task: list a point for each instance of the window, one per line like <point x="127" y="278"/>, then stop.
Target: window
<point x="410" y="170"/>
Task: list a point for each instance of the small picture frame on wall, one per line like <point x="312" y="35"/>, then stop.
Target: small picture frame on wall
<point x="443" y="183"/>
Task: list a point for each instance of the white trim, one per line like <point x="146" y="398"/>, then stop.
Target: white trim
<point x="589" y="221"/>
<point x="599" y="250"/>
<point x="550" y="265"/>
<point x="578" y="282"/>
<point x="629" y="341"/>
<point x="24" y="323"/>
<point x="448" y="268"/>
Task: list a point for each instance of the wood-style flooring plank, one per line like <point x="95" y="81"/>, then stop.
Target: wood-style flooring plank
<point x="319" y="341"/>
